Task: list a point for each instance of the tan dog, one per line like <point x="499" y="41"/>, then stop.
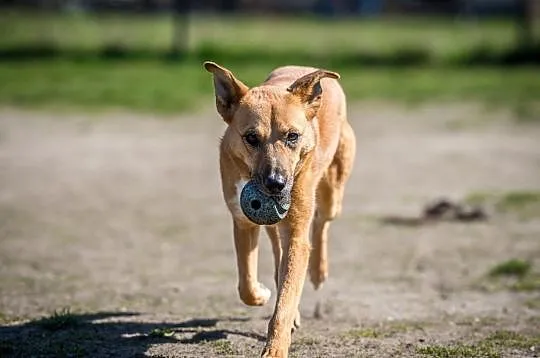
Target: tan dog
<point x="291" y="135"/>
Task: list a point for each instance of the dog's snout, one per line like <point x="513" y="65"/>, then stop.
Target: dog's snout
<point x="275" y="182"/>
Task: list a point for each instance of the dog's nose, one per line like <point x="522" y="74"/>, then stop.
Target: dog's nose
<point x="275" y="183"/>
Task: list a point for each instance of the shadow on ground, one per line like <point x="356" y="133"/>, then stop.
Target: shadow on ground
<point x="114" y="334"/>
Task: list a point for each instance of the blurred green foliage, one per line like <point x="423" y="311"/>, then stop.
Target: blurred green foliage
<point x="101" y="61"/>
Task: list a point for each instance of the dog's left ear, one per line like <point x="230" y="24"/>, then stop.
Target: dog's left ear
<point x="308" y="89"/>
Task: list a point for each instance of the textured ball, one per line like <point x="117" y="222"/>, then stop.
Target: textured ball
<point x="261" y="208"/>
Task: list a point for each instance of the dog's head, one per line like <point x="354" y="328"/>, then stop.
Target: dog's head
<point x="269" y="133"/>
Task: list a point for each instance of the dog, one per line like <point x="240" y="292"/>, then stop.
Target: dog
<point x="291" y="136"/>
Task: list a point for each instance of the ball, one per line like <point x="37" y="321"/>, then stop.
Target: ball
<point x="260" y="208"/>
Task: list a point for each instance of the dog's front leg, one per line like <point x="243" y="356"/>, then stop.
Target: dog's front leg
<point x="295" y="238"/>
<point x="273" y="233"/>
<point x="246" y="242"/>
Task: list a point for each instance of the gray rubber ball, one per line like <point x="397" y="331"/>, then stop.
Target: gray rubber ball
<point x="261" y="208"/>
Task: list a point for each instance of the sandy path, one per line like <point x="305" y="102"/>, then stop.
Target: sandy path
<point x="123" y="214"/>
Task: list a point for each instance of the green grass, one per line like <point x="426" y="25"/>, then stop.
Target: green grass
<point x="493" y="346"/>
<point x="520" y="199"/>
<point x="223" y="347"/>
<point x="384" y="330"/>
<point x="443" y="37"/>
<point x="513" y="274"/>
<point x="59" y="320"/>
<point x="510" y="339"/>
<point x="461" y="350"/>
<point x="152" y="86"/>
<point x="524" y="203"/>
<point x="528" y="283"/>
<point x="113" y="61"/>
<point x="364" y="333"/>
<point x="533" y="303"/>
<point x="4" y="318"/>
<point x="135" y="86"/>
<point x="305" y="341"/>
<point x="513" y="267"/>
<point x="161" y="332"/>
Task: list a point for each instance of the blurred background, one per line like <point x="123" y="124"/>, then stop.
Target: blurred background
<point x="132" y="53"/>
<point x="115" y="240"/>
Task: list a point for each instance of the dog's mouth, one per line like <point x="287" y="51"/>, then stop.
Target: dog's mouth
<point x="284" y="195"/>
<point x="282" y="200"/>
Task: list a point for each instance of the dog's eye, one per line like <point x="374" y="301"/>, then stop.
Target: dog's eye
<point x="292" y="137"/>
<point x="251" y="139"/>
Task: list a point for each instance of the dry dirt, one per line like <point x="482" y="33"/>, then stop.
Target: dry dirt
<point x="119" y="219"/>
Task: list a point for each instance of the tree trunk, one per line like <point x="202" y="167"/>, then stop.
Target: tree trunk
<point x="181" y="13"/>
<point x="525" y="24"/>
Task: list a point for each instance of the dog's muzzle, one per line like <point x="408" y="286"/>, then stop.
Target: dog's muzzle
<point x="263" y="209"/>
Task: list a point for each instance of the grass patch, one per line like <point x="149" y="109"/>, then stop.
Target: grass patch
<point x="4" y="318"/>
<point x="510" y="339"/>
<point x="533" y="303"/>
<point x="528" y="283"/>
<point x="7" y="318"/>
<point x="161" y="332"/>
<point x="136" y="86"/>
<point x="518" y="200"/>
<point x="59" y="320"/>
<point x="384" y="330"/>
<point x="306" y="341"/>
<point x="463" y="351"/>
<point x="512" y="267"/>
<point x="441" y="38"/>
<point x="513" y="274"/>
<point x="223" y="347"/>
<point x="364" y="333"/>
<point x="525" y="203"/>
<point x="493" y="346"/>
<point x="169" y="87"/>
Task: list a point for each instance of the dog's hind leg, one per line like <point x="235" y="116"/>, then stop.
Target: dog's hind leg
<point x="273" y="234"/>
<point x="246" y="242"/>
<point x="329" y="203"/>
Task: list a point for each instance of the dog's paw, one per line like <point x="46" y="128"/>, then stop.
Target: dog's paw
<point x="255" y="296"/>
<point x="274" y="353"/>
<point x="318" y="274"/>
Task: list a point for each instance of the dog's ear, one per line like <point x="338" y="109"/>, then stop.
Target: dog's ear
<point x="308" y="89"/>
<point x="228" y="90"/>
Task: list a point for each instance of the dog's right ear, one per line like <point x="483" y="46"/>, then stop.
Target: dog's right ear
<point x="308" y="89"/>
<point x="228" y="89"/>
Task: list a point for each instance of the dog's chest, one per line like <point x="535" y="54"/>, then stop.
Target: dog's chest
<point x="233" y="201"/>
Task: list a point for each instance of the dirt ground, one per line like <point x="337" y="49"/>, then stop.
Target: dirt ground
<point x="119" y="219"/>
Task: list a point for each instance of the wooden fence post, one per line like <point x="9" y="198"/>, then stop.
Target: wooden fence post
<point x="525" y="25"/>
<point x="181" y="18"/>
